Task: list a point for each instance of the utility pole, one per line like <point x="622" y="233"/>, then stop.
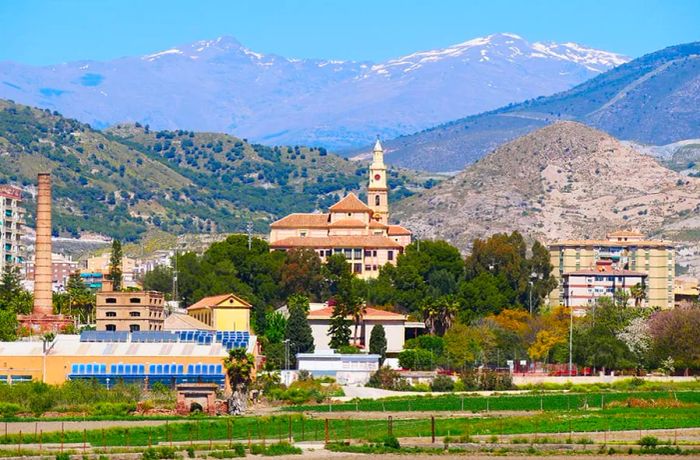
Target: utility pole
<point x="249" y="230"/>
<point x="531" y="298"/>
<point x="571" y="338"/>
<point x="175" y="293"/>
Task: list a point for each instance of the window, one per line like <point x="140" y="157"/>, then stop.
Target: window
<point x="111" y="314"/>
<point x="328" y="252"/>
<point x="390" y="255"/>
<point x="111" y="300"/>
<point x="134" y="314"/>
<point x="377" y="200"/>
<point x="302" y="234"/>
<point x="111" y="327"/>
<point x="135" y="300"/>
<point x="368" y="268"/>
<point x="134" y="328"/>
<point x="357" y="254"/>
<point x="357" y="268"/>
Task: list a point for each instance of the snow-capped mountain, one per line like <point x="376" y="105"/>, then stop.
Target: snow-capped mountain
<point x="220" y="85"/>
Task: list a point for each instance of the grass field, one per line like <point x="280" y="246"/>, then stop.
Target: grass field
<point x="503" y="402"/>
<point x="304" y="428"/>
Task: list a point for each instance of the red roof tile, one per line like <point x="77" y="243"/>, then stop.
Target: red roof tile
<point x="395" y="230"/>
<point x="208" y="302"/>
<point x="337" y="241"/>
<point x="298" y="220"/>
<point x="351" y="203"/>
<point x="370" y="313"/>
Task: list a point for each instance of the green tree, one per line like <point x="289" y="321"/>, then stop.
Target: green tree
<point x="484" y="294"/>
<point x="159" y="279"/>
<point x="339" y="330"/>
<point x="350" y="302"/>
<point x="301" y="273"/>
<point x="275" y="326"/>
<point x="81" y="300"/>
<point x="13" y="297"/>
<point x="638" y="293"/>
<point x="239" y="367"/>
<point x="298" y="332"/>
<point x="377" y="343"/>
<point x="8" y="326"/>
<point x="439" y="314"/>
<point x="335" y="269"/>
<point x="115" y="265"/>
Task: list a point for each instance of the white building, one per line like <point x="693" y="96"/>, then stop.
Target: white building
<point x="582" y="288"/>
<point x="353" y="369"/>
<point x="10" y="226"/>
<point x="394" y="327"/>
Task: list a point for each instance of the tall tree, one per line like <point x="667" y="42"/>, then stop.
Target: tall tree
<point x="13" y="297"/>
<point x="239" y="367"/>
<point x="81" y="300"/>
<point x="298" y="331"/>
<point x="351" y="302"/>
<point x="275" y="326"/>
<point x="339" y="330"/>
<point x="377" y="343"/>
<point x="638" y="293"/>
<point x="334" y="270"/>
<point x="675" y="334"/>
<point x="301" y="273"/>
<point x="159" y="279"/>
<point x="115" y="265"/>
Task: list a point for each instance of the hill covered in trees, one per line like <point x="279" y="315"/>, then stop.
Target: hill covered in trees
<point x="126" y="180"/>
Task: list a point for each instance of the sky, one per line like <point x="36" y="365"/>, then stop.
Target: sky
<point x="53" y="31"/>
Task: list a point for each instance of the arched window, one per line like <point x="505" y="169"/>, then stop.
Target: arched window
<point x="376" y="200"/>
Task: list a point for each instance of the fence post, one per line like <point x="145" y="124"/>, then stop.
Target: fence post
<point x="209" y="434"/>
<point x="19" y="444"/>
<point x="487" y="404"/>
<point x="541" y="403"/>
<point x="61" y="437"/>
<point x="602" y="401"/>
<point x="41" y="438"/>
<point x="303" y="437"/>
<point x="432" y="428"/>
<point x="168" y="434"/>
<point x="390" y="425"/>
<point x="250" y="441"/>
<point x="150" y="440"/>
<point x="325" y="427"/>
<point x="462" y="403"/>
<point x="126" y="437"/>
<point x="84" y="440"/>
<point x="103" y="438"/>
<point x="289" y="431"/>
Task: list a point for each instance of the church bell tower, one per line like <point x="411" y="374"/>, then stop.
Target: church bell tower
<point x="377" y="191"/>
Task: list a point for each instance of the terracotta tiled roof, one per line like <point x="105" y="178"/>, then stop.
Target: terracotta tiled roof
<point x="351" y="203"/>
<point x="302" y="220"/>
<point x="370" y="313"/>
<point x="364" y="241"/>
<point x="348" y="223"/>
<point x="208" y="302"/>
<point x="374" y="224"/>
<point x="395" y="230"/>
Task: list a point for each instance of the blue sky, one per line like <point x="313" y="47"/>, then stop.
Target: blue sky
<point x="52" y="31"/>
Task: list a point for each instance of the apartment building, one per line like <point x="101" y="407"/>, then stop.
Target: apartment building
<point x="11" y="224"/>
<point x="128" y="311"/>
<point x="622" y="251"/>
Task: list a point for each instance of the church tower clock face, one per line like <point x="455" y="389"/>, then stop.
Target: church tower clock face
<point x="377" y="177"/>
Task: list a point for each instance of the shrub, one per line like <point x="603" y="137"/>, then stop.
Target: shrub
<point x="280" y="448"/>
<point x="9" y="410"/>
<point x="388" y="379"/>
<point x="119" y="409"/>
<point x="158" y="453"/>
<point x="649" y="442"/>
<point x="190" y="452"/>
<point x="417" y="359"/>
<point x="237" y="451"/>
<point x="63" y="456"/>
<point x="391" y="442"/>
<point x="442" y="383"/>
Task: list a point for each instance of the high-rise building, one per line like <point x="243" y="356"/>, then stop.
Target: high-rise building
<point x="11" y="225"/>
<point x="622" y="252"/>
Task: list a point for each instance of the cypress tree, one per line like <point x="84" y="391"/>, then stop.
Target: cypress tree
<point x="377" y="342"/>
<point x="298" y="331"/>
<point x="340" y="328"/>
<point x="115" y="265"/>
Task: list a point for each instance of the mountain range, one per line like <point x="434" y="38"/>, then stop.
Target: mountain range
<point x="654" y="99"/>
<point x="563" y="181"/>
<point x="222" y="86"/>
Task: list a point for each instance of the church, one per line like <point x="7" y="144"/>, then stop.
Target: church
<point x="359" y="231"/>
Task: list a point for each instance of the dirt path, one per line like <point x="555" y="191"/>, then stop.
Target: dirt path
<point x="49" y="426"/>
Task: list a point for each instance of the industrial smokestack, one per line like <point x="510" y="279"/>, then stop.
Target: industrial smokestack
<point x="43" y="305"/>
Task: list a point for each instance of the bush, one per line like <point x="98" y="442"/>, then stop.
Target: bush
<point x="9" y="410"/>
<point x="280" y="448"/>
<point x="391" y="442"/>
<point x="190" y="452"/>
<point x="388" y="379"/>
<point x="158" y="453"/>
<point x="237" y="451"/>
<point x="442" y="383"/>
<point x="486" y="380"/>
<point x="63" y="456"/>
<point x="119" y="409"/>
<point x="417" y="359"/>
<point x="649" y="442"/>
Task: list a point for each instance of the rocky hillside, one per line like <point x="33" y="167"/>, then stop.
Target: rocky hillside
<point x="654" y="99"/>
<point x="566" y="180"/>
<point x="220" y="85"/>
<point x="130" y="179"/>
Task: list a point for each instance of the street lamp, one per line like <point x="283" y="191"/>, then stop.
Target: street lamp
<point x="531" y="283"/>
<point x="571" y="338"/>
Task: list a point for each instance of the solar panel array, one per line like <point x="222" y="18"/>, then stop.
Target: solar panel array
<point x="228" y="339"/>
<point x="168" y="374"/>
<point x="104" y="336"/>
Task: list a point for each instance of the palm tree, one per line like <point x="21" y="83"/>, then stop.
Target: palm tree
<point x="639" y="293"/>
<point x="357" y="310"/>
<point x="429" y="313"/>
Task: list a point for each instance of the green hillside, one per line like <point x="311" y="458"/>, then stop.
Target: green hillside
<point x="129" y="179"/>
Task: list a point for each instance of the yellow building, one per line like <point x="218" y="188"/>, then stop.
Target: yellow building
<point x="358" y="231"/>
<point x="624" y="250"/>
<point x="225" y="312"/>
